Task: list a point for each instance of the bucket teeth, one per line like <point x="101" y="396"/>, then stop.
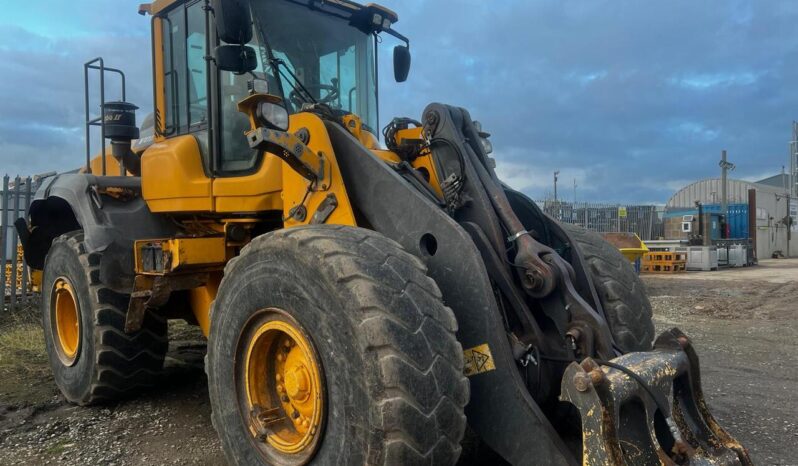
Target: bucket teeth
<point x="623" y="425"/>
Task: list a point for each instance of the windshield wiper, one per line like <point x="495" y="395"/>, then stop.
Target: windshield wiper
<point x="275" y="63"/>
<point x="297" y="85"/>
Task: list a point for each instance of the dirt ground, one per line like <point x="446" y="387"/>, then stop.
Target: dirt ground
<point x="742" y="321"/>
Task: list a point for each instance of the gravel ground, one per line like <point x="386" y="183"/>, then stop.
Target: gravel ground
<point x="745" y="333"/>
<point x="167" y="425"/>
<point x="744" y="327"/>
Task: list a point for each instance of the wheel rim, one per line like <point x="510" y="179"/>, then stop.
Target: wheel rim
<point x="65" y="318"/>
<point x="283" y="387"/>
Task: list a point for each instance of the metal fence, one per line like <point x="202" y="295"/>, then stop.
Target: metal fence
<point x="15" y="281"/>
<point x="644" y="220"/>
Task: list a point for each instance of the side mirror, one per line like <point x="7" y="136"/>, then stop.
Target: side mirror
<point x="239" y="59"/>
<point x="233" y="20"/>
<point x="401" y="63"/>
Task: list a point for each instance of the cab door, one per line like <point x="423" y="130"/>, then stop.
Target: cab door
<point x="175" y="169"/>
<point x="245" y="180"/>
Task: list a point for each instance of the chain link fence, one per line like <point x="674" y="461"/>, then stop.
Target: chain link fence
<point x="644" y="220"/>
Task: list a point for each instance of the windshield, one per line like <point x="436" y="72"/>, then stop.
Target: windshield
<point x="319" y="54"/>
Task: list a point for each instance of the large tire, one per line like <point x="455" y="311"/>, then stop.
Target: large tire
<point x="107" y="363"/>
<point x="392" y="369"/>
<point x="620" y="290"/>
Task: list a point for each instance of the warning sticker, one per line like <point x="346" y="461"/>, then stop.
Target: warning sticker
<point x="478" y="360"/>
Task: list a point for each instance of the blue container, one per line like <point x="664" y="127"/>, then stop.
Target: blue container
<point x="737" y="219"/>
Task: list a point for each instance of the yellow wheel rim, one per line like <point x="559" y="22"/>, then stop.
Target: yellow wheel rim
<point x="283" y="386"/>
<point x="66" y="321"/>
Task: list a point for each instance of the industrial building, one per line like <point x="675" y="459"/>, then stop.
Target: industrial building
<point x="696" y="211"/>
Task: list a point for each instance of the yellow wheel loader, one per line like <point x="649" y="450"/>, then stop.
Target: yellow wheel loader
<point x="363" y="304"/>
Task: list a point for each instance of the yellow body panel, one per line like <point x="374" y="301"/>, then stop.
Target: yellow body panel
<point x="180" y="254"/>
<point x="295" y="187"/>
<point x="387" y="155"/>
<point x="355" y="126"/>
<point x="201" y="299"/>
<point x="426" y="165"/>
<point x="173" y="178"/>
<point x="275" y="186"/>
<point x="159" y="5"/>
<point x="257" y="192"/>
<point x="111" y="165"/>
<point x="423" y="161"/>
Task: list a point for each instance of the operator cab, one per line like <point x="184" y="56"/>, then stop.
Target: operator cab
<point x="308" y="53"/>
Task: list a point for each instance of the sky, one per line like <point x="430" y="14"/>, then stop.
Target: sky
<point x="631" y="100"/>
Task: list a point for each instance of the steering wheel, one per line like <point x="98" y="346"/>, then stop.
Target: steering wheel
<point x="332" y="94"/>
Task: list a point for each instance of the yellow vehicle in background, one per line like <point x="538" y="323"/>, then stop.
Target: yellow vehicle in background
<point x="363" y="304"/>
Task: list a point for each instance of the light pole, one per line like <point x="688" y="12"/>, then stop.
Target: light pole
<point x="725" y="166"/>
<point x="556" y="174"/>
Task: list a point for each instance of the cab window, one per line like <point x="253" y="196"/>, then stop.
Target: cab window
<point x="236" y="156"/>
<point x="197" y="71"/>
<point x="184" y="69"/>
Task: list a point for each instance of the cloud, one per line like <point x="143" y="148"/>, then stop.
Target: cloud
<point x="706" y="81"/>
<point x="628" y="97"/>
<point x="635" y="94"/>
<point x="41" y="83"/>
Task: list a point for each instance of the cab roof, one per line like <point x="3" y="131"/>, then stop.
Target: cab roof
<point x="160" y="5"/>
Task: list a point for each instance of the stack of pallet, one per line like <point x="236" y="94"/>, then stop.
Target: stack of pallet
<point x="664" y="262"/>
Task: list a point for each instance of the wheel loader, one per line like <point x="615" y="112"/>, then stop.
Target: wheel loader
<point x="365" y="301"/>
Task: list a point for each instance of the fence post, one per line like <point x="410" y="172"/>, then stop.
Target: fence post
<point x="651" y="213"/>
<point x="4" y="237"/>
<point x="25" y="276"/>
<point x="14" y="241"/>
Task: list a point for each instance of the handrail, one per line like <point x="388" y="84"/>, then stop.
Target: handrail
<point x="99" y="121"/>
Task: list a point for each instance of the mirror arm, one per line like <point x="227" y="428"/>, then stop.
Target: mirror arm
<point x="398" y="36"/>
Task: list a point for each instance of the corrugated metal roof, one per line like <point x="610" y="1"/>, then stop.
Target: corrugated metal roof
<point x="779" y="181"/>
<point x="708" y="191"/>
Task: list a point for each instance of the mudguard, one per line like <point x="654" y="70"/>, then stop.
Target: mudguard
<point x="109" y="210"/>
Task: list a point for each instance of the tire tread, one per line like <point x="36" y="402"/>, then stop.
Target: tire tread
<point x="622" y="294"/>
<point x="124" y="363"/>
<point x="404" y="326"/>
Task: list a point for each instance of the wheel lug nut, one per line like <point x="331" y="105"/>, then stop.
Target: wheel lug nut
<point x="279" y="378"/>
<point x="306" y="423"/>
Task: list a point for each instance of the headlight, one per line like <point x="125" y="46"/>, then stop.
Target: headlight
<point x="272" y="115"/>
<point x="486" y="145"/>
<point x="483" y="138"/>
